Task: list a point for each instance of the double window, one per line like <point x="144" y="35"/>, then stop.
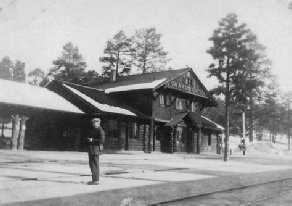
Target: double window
<point x="164" y="100"/>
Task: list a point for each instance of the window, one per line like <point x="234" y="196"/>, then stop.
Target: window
<point x="179" y="103"/>
<point x="112" y="129"/>
<point x="164" y="100"/>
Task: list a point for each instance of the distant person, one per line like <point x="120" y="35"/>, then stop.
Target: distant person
<point x="95" y="148"/>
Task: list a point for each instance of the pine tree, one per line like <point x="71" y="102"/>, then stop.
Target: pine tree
<point x="19" y="72"/>
<point x="272" y="116"/>
<point x="149" y="55"/>
<point x="230" y="52"/>
<point x="70" y="67"/>
<point x="117" y="55"/>
<point x="37" y="76"/>
<point x="6" y="68"/>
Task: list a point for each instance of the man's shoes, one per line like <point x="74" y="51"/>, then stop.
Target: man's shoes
<point x="93" y="183"/>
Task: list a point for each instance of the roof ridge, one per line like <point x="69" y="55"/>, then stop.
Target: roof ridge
<point x="149" y="74"/>
<point x="79" y="85"/>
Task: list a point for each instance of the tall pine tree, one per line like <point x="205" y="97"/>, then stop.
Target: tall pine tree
<point x="149" y="55"/>
<point x="229" y="52"/>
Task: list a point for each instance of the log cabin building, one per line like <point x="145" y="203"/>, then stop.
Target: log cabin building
<point x="146" y="112"/>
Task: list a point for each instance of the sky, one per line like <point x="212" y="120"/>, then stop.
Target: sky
<point x="34" y="31"/>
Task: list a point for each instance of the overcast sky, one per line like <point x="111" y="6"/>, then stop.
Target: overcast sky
<point x="34" y="31"/>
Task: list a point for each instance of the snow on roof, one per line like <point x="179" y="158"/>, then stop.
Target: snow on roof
<point x="149" y="85"/>
<point x="102" y="107"/>
<point x="217" y="125"/>
<point x="33" y="96"/>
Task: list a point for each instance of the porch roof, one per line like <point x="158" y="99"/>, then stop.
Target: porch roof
<point x="194" y="119"/>
<point x="21" y="94"/>
<point x="210" y="124"/>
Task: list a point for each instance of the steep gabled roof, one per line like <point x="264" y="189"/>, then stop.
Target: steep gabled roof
<point x="150" y="81"/>
<point x="90" y="99"/>
<point x="140" y="81"/>
<point x="21" y="94"/>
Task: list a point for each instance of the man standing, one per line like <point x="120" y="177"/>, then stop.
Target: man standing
<point x="95" y="148"/>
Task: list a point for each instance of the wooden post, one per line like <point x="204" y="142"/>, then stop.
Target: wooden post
<point x="199" y="141"/>
<point x="122" y="137"/>
<point x="194" y="138"/>
<point x="22" y="133"/>
<point x="171" y="140"/>
<point x="174" y="139"/>
<point x="146" y="138"/>
<point x="15" y="131"/>
<point x="150" y="136"/>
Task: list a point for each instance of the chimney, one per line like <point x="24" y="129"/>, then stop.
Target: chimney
<point x="113" y="75"/>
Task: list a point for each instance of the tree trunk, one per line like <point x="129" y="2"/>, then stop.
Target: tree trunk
<point x="15" y="132"/>
<point x="226" y="140"/>
<point x="22" y="133"/>
<point x="117" y="64"/>
<point x="251" y="112"/>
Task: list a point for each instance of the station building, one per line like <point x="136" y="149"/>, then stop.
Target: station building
<point x="158" y="111"/>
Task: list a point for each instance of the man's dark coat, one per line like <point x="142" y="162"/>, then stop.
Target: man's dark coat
<point x="96" y="146"/>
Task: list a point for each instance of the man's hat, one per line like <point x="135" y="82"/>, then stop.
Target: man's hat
<point x="95" y="120"/>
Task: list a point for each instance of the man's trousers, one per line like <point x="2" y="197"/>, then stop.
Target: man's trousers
<point x="94" y="166"/>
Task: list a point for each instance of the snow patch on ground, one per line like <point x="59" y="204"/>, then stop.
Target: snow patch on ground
<point x="264" y="147"/>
